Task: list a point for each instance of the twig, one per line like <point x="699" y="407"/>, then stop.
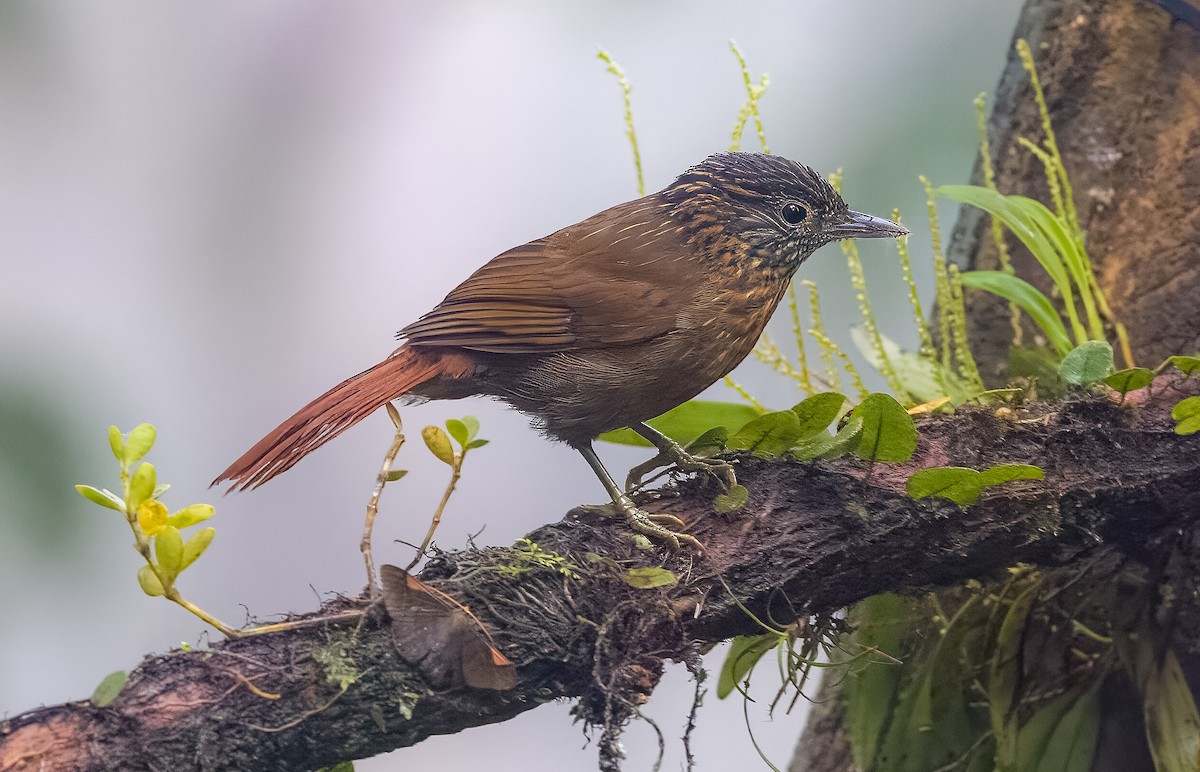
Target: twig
<point x="373" y="504"/>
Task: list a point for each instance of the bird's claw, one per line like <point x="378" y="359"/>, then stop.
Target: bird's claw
<point x="656" y="527"/>
<point x="683" y="461"/>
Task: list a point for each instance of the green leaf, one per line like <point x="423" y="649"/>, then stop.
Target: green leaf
<point x="959" y="484"/>
<point x="1131" y="379"/>
<point x="1087" y="364"/>
<point x="888" y="433"/>
<point x="1060" y="735"/>
<point x="141" y="485"/>
<point x="1004" y="678"/>
<point x="817" y="412"/>
<point x="458" y="430"/>
<point x="924" y="380"/>
<point x="168" y="549"/>
<point x="826" y="446"/>
<point x="109" y="688"/>
<point x="195" y="546"/>
<point x="1172" y="721"/>
<point x="1187" y="413"/>
<point x="962" y="485"/>
<point x="191" y="515"/>
<point x="1186" y="365"/>
<point x="1029" y="298"/>
<point x="732" y="500"/>
<point x="396" y="474"/>
<point x="710" y="443"/>
<point x="439" y="444"/>
<point x="1002" y="473"/>
<point x="472" y="424"/>
<point x="141" y="439"/>
<point x="1025" y="218"/>
<point x="348" y="766"/>
<point x="149" y="583"/>
<point x="117" y="443"/>
<point x="744" y="653"/>
<point x="768" y="436"/>
<point x="881" y="623"/>
<point x="104" y="498"/>
<point x="476" y="444"/>
<point x="649" y="577"/>
<point x="688" y="421"/>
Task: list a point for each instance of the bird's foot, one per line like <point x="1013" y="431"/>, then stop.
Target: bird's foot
<point x="665" y="528"/>
<point x="675" y="454"/>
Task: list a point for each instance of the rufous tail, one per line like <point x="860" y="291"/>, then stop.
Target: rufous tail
<point x="329" y="415"/>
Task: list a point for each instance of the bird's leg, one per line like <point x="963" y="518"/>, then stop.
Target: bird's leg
<point x="655" y="526"/>
<point x="671" y="452"/>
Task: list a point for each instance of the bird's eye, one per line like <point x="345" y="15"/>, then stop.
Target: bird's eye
<point x="793" y="213"/>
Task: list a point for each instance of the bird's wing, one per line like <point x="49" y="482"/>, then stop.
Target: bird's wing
<point x="611" y="280"/>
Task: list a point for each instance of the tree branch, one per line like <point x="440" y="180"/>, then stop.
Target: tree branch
<point x="813" y="538"/>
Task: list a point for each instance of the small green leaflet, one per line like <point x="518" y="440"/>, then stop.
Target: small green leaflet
<point x="744" y="653"/>
<point x="1087" y="364"/>
<point x="1131" y="379"/>
<point x="1187" y="413"/>
<point x="732" y="500"/>
<point x="1186" y="365"/>
<point x="964" y="486"/>
<point x="109" y="688"/>
<point x="649" y="578"/>
<point x="688" y="421"/>
<point x="768" y="436"/>
<point x="817" y="412"/>
<point x="888" y="431"/>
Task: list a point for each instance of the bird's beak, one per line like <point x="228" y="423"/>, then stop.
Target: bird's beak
<point x="864" y="226"/>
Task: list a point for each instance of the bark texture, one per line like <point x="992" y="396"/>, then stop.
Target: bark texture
<point x="813" y="538"/>
<point x="1122" y="83"/>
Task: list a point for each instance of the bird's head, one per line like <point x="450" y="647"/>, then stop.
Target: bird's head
<point x="781" y="209"/>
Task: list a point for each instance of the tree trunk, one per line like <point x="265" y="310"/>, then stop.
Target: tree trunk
<point x="1122" y="82"/>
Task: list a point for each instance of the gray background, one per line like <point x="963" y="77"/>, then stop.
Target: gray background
<point x="210" y="213"/>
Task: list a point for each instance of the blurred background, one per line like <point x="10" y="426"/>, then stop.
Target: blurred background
<point x="212" y="212"/>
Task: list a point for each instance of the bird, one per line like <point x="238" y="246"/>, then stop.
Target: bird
<point x="606" y="323"/>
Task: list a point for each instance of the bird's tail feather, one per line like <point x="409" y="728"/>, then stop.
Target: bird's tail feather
<point x="329" y="415"/>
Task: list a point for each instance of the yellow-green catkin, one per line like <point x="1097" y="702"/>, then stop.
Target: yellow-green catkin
<point x="769" y="354"/>
<point x="914" y="299"/>
<point x="989" y="180"/>
<point x="630" y="131"/>
<point x="968" y="370"/>
<point x="858" y="279"/>
<point x="805" y="376"/>
<point x="754" y="92"/>
<point x="1023" y="50"/>
<point x="941" y="277"/>
<point x="741" y="390"/>
<point x="831" y="353"/>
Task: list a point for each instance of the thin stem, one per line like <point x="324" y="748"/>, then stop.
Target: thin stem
<point x="172" y="594"/>
<point x="805" y="377"/>
<point x="750" y="109"/>
<point x="630" y="132"/>
<point x="373" y="503"/>
<point x="989" y="180"/>
<point x="741" y="390"/>
<point x="455" y="474"/>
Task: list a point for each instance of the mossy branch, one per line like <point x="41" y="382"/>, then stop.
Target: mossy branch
<point x="813" y="538"/>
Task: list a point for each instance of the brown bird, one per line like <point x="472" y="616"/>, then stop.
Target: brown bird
<point x="605" y="323"/>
